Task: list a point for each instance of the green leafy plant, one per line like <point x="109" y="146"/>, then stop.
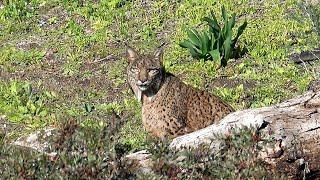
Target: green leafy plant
<point x="17" y="10"/>
<point x="216" y="43"/>
<point x="20" y="103"/>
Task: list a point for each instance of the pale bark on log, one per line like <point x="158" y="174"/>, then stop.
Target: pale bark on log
<point x="299" y="117"/>
<point x="294" y="125"/>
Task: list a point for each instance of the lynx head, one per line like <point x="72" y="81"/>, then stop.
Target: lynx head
<point x="145" y="72"/>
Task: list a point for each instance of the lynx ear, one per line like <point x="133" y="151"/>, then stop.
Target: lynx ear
<point x="131" y="54"/>
<point x="158" y="54"/>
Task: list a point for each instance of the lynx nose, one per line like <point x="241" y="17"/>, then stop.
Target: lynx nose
<point x="141" y="83"/>
<point x="143" y="76"/>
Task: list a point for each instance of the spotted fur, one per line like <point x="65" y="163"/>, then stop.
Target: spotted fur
<point x="170" y="107"/>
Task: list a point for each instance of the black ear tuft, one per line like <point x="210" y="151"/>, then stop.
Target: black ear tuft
<point x="158" y="54"/>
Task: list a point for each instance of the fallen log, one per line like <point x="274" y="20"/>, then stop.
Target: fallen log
<point x="293" y="125"/>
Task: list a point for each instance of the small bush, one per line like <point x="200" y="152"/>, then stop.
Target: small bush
<point x="21" y="103"/>
<point x="216" y="43"/>
<point x="238" y="158"/>
<point x="90" y="153"/>
<point x="82" y="153"/>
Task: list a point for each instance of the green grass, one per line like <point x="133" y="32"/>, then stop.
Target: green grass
<point x="20" y="104"/>
<point x="59" y="48"/>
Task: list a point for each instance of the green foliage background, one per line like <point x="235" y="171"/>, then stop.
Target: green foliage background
<point x="62" y="59"/>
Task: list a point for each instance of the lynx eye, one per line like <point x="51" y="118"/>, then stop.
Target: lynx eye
<point x="134" y="70"/>
<point x="153" y="71"/>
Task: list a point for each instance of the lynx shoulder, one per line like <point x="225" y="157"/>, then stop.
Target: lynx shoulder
<point x="170" y="107"/>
